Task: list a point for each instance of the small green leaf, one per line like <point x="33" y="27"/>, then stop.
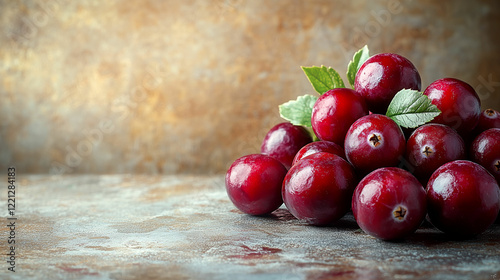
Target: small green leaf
<point x="322" y="78"/>
<point x="410" y="108"/>
<point x="357" y="60"/>
<point x="299" y="111"/>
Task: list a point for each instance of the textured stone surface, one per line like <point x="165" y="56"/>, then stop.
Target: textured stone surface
<point x="188" y="86"/>
<point x="185" y="227"/>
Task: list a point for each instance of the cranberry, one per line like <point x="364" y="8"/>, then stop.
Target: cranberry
<point x="431" y="146"/>
<point x="489" y="118"/>
<point x="459" y="104"/>
<point x="283" y="141"/>
<point x="253" y="183"/>
<point x="382" y="76"/>
<point x="374" y="141"/>
<point x="319" y="146"/>
<point x="389" y="203"/>
<point x="485" y="150"/>
<point x="318" y="188"/>
<point x="463" y="199"/>
<point x="334" y="112"/>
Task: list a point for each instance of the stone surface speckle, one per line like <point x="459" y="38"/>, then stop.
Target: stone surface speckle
<point x="185" y="227"/>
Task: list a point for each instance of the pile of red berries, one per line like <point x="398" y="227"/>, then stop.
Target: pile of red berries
<point x="377" y="154"/>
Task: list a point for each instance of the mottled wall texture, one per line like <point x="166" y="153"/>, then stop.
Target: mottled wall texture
<point x="188" y="86"/>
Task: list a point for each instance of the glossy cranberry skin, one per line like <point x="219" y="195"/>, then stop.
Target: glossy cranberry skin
<point x="389" y="203"/>
<point x="318" y="188"/>
<point x="431" y="146"/>
<point x="485" y="150"/>
<point x="319" y="146"/>
<point x="459" y="104"/>
<point x="382" y="76"/>
<point x="374" y="141"/>
<point x="334" y="112"/>
<point x="283" y="141"/>
<point x="253" y="183"/>
<point x="463" y="199"/>
<point x="489" y="118"/>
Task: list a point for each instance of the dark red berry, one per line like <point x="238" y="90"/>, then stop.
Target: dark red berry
<point x="463" y="199"/>
<point x="334" y="112"/>
<point x="489" y="118"/>
<point x="485" y="150"/>
<point x="431" y="146"/>
<point x="389" y="203"/>
<point x="253" y="183"/>
<point x="318" y="188"/>
<point x="382" y="76"/>
<point x="319" y="146"/>
<point x="459" y="104"/>
<point x="283" y="141"/>
<point x="374" y="141"/>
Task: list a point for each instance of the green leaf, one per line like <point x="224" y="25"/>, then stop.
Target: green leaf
<point x="357" y="60"/>
<point x="299" y="111"/>
<point x="410" y="108"/>
<point x="322" y="78"/>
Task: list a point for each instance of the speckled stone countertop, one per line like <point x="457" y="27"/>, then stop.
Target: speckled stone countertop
<point x="185" y="227"/>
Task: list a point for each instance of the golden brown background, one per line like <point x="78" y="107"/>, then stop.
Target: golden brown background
<point x="189" y="86"/>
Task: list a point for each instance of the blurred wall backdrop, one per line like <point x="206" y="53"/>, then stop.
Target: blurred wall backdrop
<point x="189" y="86"/>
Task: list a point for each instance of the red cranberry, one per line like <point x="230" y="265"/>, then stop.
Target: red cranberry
<point x="374" y="141"/>
<point x="382" y="76"/>
<point x="283" y="141"/>
<point x="318" y="189"/>
<point x="489" y="118"/>
<point x="389" y="203"/>
<point x="431" y="146"/>
<point x="334" y="112"/>
<point x="253" y="183"/>
<point x="463" y="199"/>
<point x="319" y="146"/>
<point x="459" y="104"/>
<point x="485" y="150"/>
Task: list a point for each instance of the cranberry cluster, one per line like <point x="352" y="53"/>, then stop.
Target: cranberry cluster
<point x="447" y="170"/>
